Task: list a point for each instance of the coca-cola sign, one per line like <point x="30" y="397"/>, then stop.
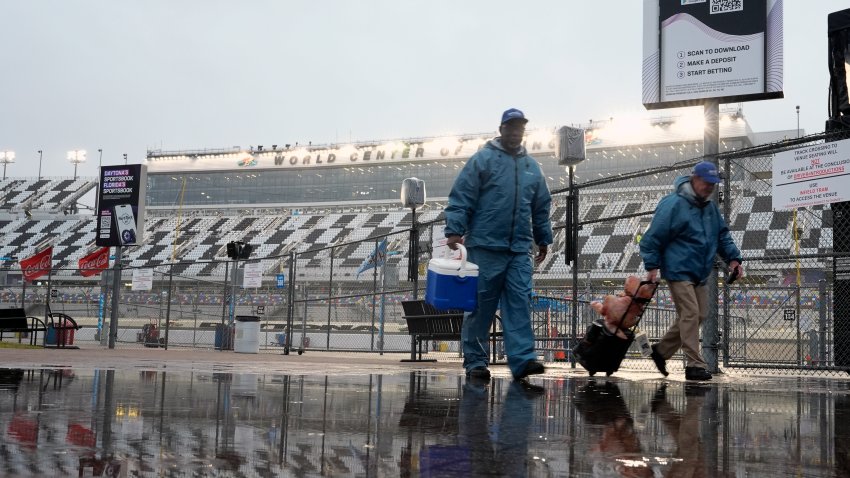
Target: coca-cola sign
<point x="38" y="265"/>
<point x="95" y="262"/>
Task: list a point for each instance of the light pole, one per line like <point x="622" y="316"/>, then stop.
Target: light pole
<point x="77" y="156"/>
<point x="6" y="157"/>
<point x="39" y="164"/>
<point x="99" y="158"/>
<point x="125" y="158"/>
<point x="798" y="121"/>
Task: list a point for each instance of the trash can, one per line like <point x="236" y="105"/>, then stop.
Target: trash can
<point x="59" y="335"/>
<point x="280" y="339"/>
<point x="223" y="337"/>
<point x="65" y="335"/>
<point x="150" y="335"/>
<point x="247" y="334"/>
<point x="50" y="336"/>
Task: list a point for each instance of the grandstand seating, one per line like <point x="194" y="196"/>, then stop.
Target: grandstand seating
<point x="198" y="236"/>
<point x="42" y="194"/>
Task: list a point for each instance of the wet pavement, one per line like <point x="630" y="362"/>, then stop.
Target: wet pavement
<point x="119" y="413"/>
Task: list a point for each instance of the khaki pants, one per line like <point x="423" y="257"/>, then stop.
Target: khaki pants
<point x="691" y="307"/>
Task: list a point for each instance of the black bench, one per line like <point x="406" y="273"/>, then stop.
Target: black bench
<point x="424" y="322"/>
<point x="17" y="320"/>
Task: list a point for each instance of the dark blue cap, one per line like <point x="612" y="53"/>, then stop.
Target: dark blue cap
<point x="707" y="171"/>
<point x="513" y="114"/>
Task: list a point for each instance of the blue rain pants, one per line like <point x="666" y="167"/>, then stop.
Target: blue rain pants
<point x="505" y="277"/>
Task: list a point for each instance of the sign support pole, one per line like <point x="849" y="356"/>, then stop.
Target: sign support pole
<point x="711" y="146"/>
<point x="116" y="287"/>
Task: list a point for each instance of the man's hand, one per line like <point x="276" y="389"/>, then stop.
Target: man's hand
<point x="541" y="253"/>
<point x="652" y="275"/>
<point x="736" y="266"/>
<point x="453" y="240"/>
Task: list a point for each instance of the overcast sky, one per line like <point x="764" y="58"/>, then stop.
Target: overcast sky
<point x="131" y="75"/>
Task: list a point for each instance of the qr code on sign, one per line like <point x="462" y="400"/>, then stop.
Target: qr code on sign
<point x="726" y="6"/>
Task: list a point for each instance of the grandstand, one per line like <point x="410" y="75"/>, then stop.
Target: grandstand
<point x="299" y="198"/>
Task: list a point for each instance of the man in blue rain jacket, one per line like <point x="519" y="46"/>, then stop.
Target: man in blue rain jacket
<point x="499" y="208"/>
<point x="686" y="233"/>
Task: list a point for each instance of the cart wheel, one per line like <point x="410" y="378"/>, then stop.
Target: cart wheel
<point x="300" y="351"/>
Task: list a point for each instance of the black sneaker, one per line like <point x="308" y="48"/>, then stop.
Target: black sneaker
<point x="659" y="361"/>
<point x="697" y="373"/>
<point x="480" y="373"/>
<point x="533" y="367"/>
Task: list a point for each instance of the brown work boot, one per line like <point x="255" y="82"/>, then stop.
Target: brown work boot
<point x="697" y="373"/>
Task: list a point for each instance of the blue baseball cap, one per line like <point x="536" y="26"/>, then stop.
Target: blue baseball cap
<point x="513" y="114"/>
<point x="707" y="171"/>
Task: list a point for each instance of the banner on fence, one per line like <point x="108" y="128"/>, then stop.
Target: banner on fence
<point x="812" y="175"/>
<point x="375" y="259"/>
<point x="95" y="262"/>
<point x="37" y="265"/>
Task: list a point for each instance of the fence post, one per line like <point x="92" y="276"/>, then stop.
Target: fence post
<point x="727" y="214"/>
<point x="168" y="305"/>
<point x="374" y="299"/>
<point x="233" y="276"/>
<point x="822" y="315"/>
<point x="710" y="330"/>
<point x="797" y="312"/>
<point x="571" y="255"/>
<point x="224" y="293"/>
<point x="290" y="305"/>
<point x="413" y="260"/>
<point x="116" y="286"/>
<point x="304" y="322"/>
<point x="330" y="301"/>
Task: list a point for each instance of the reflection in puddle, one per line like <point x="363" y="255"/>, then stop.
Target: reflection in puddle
<point x="70" y="422"/>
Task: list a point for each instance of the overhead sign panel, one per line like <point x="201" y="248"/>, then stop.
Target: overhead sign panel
<point x="121" y="205"/>
<point x="694" y="50"/>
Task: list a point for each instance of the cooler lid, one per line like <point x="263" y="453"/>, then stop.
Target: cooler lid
<point x="453" y="267"/>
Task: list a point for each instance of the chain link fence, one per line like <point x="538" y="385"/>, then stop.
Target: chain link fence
<point x="782" y="315"/>
<point x="787" y="313"/>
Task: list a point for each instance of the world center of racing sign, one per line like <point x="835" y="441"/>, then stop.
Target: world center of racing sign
<point x="811" y="176"/>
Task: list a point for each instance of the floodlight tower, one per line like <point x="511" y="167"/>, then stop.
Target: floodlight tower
<point x="77" y="156"/>
<point x="6" y="157"/>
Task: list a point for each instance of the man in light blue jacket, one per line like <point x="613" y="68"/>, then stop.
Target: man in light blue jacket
<point x="498" y="208"/>
<point x="686" y="233"/>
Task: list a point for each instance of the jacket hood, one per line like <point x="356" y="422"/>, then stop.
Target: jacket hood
<point x="682" y="186"/>
<point x="496" y="143"/>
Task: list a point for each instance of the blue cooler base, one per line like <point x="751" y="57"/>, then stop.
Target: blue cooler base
<point x="451" y="292"/>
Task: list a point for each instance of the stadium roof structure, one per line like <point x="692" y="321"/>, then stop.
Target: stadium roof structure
<point x="599" y="135"/>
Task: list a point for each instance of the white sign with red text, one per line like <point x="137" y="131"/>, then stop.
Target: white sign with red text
<point x="142" y="279"/>
<point x="252" y="277"/>
<point x="812" y="175"/>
